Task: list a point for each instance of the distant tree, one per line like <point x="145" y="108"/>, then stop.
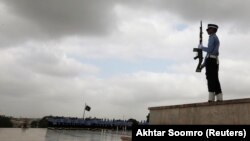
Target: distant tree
<point x="134" y="121"/>
<point x="34" y="124"/>
<point x="43" y="123"/>
<point x="5" y="121"/>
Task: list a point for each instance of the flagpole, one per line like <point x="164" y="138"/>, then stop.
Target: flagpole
<point x="84" y="111"/>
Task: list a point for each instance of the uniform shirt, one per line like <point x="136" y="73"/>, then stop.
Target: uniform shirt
<point x="213" y="45"/>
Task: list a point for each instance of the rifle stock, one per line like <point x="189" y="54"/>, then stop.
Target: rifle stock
<point x="200" y="57"/>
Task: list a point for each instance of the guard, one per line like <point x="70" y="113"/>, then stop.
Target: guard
<point x="212" y="64"/>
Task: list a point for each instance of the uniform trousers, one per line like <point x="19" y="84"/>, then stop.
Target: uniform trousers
<point x="212" y="70"/>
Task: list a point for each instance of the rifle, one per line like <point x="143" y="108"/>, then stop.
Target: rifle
<point x="199" y="53"/>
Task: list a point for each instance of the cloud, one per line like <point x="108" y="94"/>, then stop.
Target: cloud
<point x="28" y="70"/>
<point x="139" y="34"/>
<point x="235" y="77"/>
<point x="57" y="18"/>
<point x="223" y="10"/>
<point x="22" y="20"/>
<point x="37" y="80"/>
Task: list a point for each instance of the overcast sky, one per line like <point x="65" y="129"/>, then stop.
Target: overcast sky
<point x="120" y="57"/>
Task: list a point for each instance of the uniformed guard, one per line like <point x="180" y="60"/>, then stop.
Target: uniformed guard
<point x="212" y="64"/>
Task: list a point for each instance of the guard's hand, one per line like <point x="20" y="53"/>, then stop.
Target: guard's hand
<point x="200" y="46"/>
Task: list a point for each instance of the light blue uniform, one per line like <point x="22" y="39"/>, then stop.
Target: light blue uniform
<point x="213" y="45"/>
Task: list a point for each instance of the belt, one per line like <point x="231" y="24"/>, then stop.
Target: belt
<point x="212" y="56"/>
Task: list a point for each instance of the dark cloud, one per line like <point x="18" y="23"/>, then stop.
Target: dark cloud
<point x="230" y="13"/>
<point x="55" y="18"/>
<point x="223" y="10"/>
<point x="52" y="19"/>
